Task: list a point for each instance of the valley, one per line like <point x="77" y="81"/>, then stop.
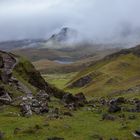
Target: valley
<point x="104" y="104"/>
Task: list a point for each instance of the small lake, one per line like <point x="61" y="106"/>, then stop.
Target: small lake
<point x="63" y="61"/>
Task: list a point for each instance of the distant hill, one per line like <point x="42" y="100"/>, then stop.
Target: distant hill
<point x="116" y="74"/>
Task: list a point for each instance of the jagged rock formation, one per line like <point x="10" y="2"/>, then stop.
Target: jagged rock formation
<point x="65" y="35"/>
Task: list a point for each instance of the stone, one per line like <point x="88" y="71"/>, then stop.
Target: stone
<point x="26" y="110"/>
<point x="35" y="103"/>
<point x="131" y="117"/>
<point x="137" y="107"/>
<point x="108" y="117"/>
<point x="114" y="108"/>
<point x="136" y="134"/>
<point x="81" y="97"/>
<point x="44" y="108"/>
<point x="71" y="106"/>
<point x="42" y="96"/>
<point x="68" y="114"/>
<point x="68" y="98"/>
<point x="16" y="131"/>
<point x="120" y="100"/>
<point x="2" y="135"/>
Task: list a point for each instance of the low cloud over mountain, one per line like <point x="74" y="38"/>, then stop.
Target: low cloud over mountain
<point x="96" y="20"/>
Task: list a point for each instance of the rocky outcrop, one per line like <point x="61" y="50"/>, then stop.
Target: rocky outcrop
<point x="81" y="82"/>
<point x="74" y="101"/>
<point x="37" y="104"/>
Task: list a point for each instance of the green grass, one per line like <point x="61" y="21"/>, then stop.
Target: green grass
<point x="123" y="72"/>
<point x="59" y="80"/>
<point x="82" y="126"/>
<point x="85" y="124"/>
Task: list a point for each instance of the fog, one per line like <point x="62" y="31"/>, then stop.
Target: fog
<point x="95" y="20"/>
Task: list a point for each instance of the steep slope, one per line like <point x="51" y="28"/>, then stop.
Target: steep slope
<point x="116" y="74"/>
<point x="18" y="77"/>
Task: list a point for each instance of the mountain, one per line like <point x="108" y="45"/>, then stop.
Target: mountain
<point x="115" y="74"/>
<point x="64" y="35"/>
<point x="65" y="38"/>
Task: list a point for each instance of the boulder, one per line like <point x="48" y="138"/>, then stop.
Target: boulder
<point x="120" y="100"/>
<point x="137" y="108"/>
<point x="35" y="103"/>
<point x="71" y="106"/>
<point x="44" y="108"/>
<point x="108" y="117"/>
<point x="26" y="110"/>
<point x="131" y="117"/>
<point x="39" y="107"/>
<point x="74" y="101"/>
<point x="68" y="114"/>
<point x="42" y="96"/>
<point x="114" y="108"/>
<point x="136" y="134"/>
<point x="68" y="98"/>
<point x="81" y="97"/>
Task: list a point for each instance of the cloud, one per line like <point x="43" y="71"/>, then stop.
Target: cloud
<point x="96" y="20"/>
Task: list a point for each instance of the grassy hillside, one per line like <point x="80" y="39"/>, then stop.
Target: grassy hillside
<point x="113" y="75"/>
<point x="81" y="56"/>
<point x="84" y="125"/>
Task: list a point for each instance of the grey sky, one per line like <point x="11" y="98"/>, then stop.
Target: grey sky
<point x="94" y="19"/>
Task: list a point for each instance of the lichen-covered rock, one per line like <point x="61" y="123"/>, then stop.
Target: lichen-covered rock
<point x="26" y="110"/>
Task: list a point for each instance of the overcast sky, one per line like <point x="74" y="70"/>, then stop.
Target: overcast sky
<point x="94" y="19"/>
